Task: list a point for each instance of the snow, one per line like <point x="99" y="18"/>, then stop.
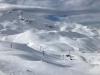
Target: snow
<point x="37" y="37"/>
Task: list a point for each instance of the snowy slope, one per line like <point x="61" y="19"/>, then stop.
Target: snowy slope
<point x="36" y="36"/>
<point x="29" y="61"/>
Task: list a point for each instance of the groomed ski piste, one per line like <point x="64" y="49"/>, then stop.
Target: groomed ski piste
<point x="49" y="37"/>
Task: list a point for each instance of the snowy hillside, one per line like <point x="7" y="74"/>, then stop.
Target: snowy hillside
<point x="49" y="37"/>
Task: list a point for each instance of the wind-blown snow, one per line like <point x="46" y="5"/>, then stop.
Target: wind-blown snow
<point x="36" y="36"/>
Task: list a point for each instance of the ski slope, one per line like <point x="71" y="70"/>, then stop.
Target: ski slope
<point x="36" y="36"/>
<point x="26" y="48"/>
<point x="29" y="58"/>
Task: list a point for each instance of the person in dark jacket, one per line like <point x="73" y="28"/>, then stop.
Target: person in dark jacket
<point x="69" y="56"/>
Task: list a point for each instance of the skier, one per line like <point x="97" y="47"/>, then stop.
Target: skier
<point x="69" y="56"/>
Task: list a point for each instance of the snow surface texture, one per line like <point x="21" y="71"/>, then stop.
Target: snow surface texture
<point x="36" y="36"/>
